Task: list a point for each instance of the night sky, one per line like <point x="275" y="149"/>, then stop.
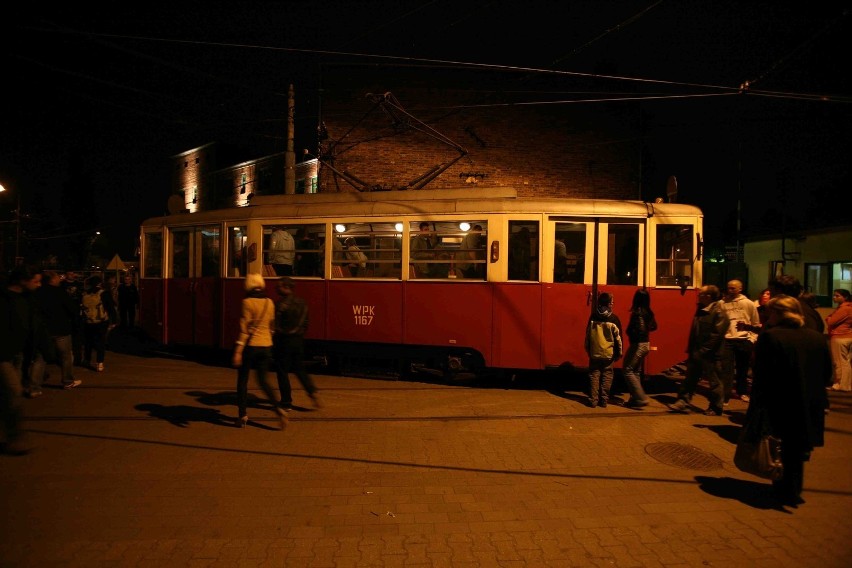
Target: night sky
<point x="96" y="102"/>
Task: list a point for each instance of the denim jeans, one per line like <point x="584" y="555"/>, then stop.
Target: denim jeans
<point x="736" y="358"/>
<point x="257" y="358"/>
<point x="632" y="362"/>
<point x="708" y="368"/>
<point x="64" y="357"/>
<point x="289" y="352"/>
<point x="31" y="366"/>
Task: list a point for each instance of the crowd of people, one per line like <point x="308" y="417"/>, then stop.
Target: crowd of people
<point x="51" y="319"/>
<point x="780" y="342"/>
<point x="777" y="353"/>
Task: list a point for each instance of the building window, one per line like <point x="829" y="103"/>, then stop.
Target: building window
<point x="314" y="184"/>
<point x="300" y="186"/>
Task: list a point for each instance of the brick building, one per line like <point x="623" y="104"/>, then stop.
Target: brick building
<point x="387" y="128"/>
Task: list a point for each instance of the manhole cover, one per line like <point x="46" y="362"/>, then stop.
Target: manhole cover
<point x="680" y="455"/>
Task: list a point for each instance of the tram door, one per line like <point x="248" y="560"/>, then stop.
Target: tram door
<point x="192" y="291"/>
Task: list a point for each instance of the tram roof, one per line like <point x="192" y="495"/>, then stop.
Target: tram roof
<point x="419" y="203"/>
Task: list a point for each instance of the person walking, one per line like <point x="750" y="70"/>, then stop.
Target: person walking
<point x="128" y="300"/>
<point x="254" y="347"/>
<point x="73" y="286"/>
<point x="642" y="323"/>
<point x="60" y="313"/>
<point x="839" y="324"/>
<point x="604" y="346"/>
<point x="29" y="362"/>
<point x="792" y="367"/>
<point x="291" y="323"/>
<point x="703" y="347"/>
<point x="738" y="344"/>
<point x="12" y="335"/>
<point x="98" y="318"/>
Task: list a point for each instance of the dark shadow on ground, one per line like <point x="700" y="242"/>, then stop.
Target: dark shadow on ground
<point x="751" y="493"/>
<point x="728" y="432"/>
<point x="183" y="415"/>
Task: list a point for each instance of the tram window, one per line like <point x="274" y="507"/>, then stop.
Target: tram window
<point x="236" y="253"/>
<point x="279" y="249"/>
<point x="674" y="255"/>
<point x="180" y="254"/>
<point x="622" y="254"/>
<point x="448" y="249"/>
<point x="470" y="256"/>
<point x="371" y="250"/>
<point x="309" y="251"/>
<point x="569" y="253"/>
<point x="153" y="262"/>
<point x="210" y="251"/>
<point x="523" y="250"/>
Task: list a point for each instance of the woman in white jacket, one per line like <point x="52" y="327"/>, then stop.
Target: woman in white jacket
<point x="254" y="346"/>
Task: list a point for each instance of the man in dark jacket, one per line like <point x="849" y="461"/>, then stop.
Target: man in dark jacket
<point x="288" y="339"/>
<point x="29" y="363"/>
<point x="128" y="299"/>
<point x="60" y="313"/>
<point x="703" y="349"/>
<point x="11" y="350"/>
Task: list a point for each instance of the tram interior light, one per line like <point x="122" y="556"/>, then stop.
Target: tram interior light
<point x="340" y="228"/>
<point x="464" y="226"/>
<point x="398" y="227"/>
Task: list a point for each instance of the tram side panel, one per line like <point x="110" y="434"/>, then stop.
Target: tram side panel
<point x="365" y="312"/>
<point x="517" y="326"/>
<point x="565" y="312"/>
<point x="673" y="311"/>
<point x="450" y="315"/>
<point x="151" y="308"/>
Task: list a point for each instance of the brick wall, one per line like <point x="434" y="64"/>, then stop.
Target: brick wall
<point x="570" y="150"/>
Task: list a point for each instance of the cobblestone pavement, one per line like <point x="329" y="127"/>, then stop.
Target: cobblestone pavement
<point x="142" y="466"/>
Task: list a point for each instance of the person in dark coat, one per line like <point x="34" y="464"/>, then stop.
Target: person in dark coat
<point x="703" y="347"/>
<point x="128" y="300"/>
<point x="792" y="367"/>
<point x="61" y="314"/>
<point x="12" y="335"/>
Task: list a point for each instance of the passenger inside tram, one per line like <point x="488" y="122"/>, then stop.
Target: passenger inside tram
<point x="422" y="245"/>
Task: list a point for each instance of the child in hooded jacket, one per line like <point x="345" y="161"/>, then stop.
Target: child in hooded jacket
<point x="603" y="344"/>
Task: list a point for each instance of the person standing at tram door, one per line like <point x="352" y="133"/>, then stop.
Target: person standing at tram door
<point x="603" y="345"/>
<point x="639" y="328"/>
<point x="253" y="348"/>
<point x="288" y="340"/>
<point x="282" y="251"/>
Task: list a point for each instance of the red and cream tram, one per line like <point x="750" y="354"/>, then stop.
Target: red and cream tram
<point x="461" y="279"/>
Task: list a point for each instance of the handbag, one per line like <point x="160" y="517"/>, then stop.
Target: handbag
<point x="758" y="451"/>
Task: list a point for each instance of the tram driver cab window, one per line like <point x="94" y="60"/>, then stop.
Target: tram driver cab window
<point x="674" y="255"/>
<point x="523" y="250"/>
